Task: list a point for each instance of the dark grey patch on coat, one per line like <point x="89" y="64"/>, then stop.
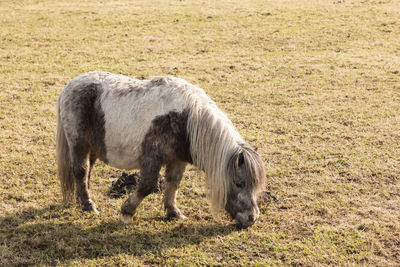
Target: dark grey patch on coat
<point x="86" y="104"/>
<point x="168" y="138"/>
<point x="166" y="141"/>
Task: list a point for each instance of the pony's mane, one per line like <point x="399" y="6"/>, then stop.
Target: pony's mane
<point x="214" y="141"/>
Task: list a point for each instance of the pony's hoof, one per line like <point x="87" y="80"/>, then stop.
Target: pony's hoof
<point x="91" y="207"/>
<point x="175" y="216"/>
<point x="126" y="218"/>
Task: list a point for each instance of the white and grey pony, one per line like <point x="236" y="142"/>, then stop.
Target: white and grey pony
<point x="146" y="124"/>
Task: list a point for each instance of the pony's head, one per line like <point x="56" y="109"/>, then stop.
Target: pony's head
<point x="246" y="175"/>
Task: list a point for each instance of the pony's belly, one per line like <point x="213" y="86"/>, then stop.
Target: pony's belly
<point x="123" y="160"/>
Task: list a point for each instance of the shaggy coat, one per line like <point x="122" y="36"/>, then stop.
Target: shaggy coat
<point x="144" y="124"/>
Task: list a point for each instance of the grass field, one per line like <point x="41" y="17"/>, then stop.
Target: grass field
<point x="315" y="85"/>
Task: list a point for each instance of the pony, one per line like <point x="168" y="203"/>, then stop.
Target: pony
<point x="146" y="124"/>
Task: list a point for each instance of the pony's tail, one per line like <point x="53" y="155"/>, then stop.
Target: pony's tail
<point x="64" y="170"/>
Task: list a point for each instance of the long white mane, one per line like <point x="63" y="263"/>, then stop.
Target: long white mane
<point x="212" y="142"/>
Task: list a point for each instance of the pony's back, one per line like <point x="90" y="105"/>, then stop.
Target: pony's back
<point x="122" y="109"/>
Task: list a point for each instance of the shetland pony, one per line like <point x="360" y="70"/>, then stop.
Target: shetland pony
<point x="145" y="124"/>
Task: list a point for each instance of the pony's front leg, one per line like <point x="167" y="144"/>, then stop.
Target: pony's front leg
<point x="173" y="173"/>
<point x="147" y="183"/>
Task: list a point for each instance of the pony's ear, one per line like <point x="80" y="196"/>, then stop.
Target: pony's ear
<point x="240" y="160"/>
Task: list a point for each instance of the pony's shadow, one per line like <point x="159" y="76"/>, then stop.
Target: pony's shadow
<point x="28" y="241"/>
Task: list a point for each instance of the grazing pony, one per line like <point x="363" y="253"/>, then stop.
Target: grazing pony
<point x="145" y="124"/>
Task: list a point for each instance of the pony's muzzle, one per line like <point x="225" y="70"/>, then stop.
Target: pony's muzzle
<point x="247" y="218"/>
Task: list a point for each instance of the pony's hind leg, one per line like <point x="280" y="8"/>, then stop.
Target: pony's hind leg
<point x="173" y="173"/>
<point x="81" y="167"/>
<point x="92" y="160"/>
<point x="149" y="174"/>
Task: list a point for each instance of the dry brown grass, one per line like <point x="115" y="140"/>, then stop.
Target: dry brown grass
<point x="315" y="85"/>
